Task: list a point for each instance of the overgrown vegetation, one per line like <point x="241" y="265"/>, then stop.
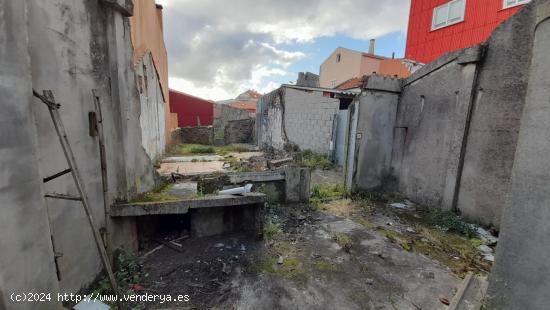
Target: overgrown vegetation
<point x="450" y="221"/>
<point x="324" y="193"/>
<point x="198" y="149"/>
<point x="313" y="160"/>
<point x="344" y="241"/>
<point x="159" y="193"/>
<point x="272" y="223"/>
<point x="128" y="273"/>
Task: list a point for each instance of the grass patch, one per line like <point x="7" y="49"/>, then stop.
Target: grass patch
<point x="323" y="265"/>
<point x="195" y="149"/>
<point x="159" y="193"/>
<point x="324" y="193"/>
<point x="313" y="160"/>
<point x="344" y="241"/>
<point x="450" y="221"/>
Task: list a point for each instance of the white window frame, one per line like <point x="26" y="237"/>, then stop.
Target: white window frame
<point x="505" y="4"/>
<point x="447" y="22"/>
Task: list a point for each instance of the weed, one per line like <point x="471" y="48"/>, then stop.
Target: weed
<point x="224" y="150"/>
<point x="449" y="221"/>
<point x="128" y="273"/>
<point x="158" y="193"/>
<point x="323" y="193"/>
<point x="272" y="229"/>
<point x="323" y="265"/>
<point x="313" y="160"/>
<point x="344" y="241"/>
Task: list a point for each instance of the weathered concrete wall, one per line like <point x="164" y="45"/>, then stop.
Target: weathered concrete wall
<point x="152" y="117"/>
<point x="69" y="47"/>
<point x="239" y="131"/>
<point x="198" y="135"/>
<point x="494" y="127"/>
<point x="374" y="137"/>
<point x="520" y="277"/>
<point x="269" y="129"/>
<point x="309" y="119"/>
<point x="433" y="112"/>
<point x="26" y="260"/>
<point x="146" y="27"/>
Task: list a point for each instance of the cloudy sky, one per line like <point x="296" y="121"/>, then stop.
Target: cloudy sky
<point x="217" y="49"/>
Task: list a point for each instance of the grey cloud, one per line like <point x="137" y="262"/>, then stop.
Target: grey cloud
<point x="207" y="37"/>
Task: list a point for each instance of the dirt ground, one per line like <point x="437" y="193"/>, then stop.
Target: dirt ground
<point x="299" y="265"/>
<point x="334" y="253"/>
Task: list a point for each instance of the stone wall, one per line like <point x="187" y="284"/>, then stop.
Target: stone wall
<point x="223" y="114"/>
<point x="197" y="135"/>
<point x="81" y="51"/>
<point x="239" y="131"/>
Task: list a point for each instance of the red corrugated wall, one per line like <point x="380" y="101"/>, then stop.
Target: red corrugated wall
<point x="481" y="18"/>
<point x="189" y="108"/>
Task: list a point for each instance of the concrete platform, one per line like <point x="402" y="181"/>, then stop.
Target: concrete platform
<point x="210" y="215"/>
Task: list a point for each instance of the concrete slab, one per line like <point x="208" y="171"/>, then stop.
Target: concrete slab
<point x="184" y="205"/>
<point x="191" y="168"/>
<point x="192" y="158"/>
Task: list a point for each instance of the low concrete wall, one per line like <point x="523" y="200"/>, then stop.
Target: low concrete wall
<point x="198" y="135"/>
<point x="223" y="114"/>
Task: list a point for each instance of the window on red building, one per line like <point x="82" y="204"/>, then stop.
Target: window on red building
<point x="512" y="3"/>
<point x="449" y="13"/>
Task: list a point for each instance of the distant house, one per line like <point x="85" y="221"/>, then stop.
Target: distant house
<point x="192" y="111"/>
<point x="245" y="101"/>
<point x="344" y="64"/>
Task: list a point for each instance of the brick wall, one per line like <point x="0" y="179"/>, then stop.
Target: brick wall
<point x="309" y="119"/>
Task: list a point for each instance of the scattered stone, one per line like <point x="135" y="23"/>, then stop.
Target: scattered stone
<point x="398" y="205"/>
<point x="485" y="249"/>
<point x="281" y="260"/>
<point x="489" y="257"/>
<point x="218" y="245"/>
<point x="301" y="217"/>
<point x="243" y="248"/>
<point x="410" y="230"/>
<point x="486" y="236"/>
<point x="226" y="269"/>
<point x="370" y="281"/>
<point x="389" y="223"/>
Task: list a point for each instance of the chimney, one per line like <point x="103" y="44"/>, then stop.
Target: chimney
<point x="371" y="46"/>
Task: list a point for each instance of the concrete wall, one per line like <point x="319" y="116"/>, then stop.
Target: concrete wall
<point x="433" y="111"/>
<point x="456" y="127"/>
<point x="377" y="111"/>
<point x="239" y="131"/>
<point x="152" y="116"/>
<point x="309" y="119"/>
<point x="520" y="278"/>
<point x="69" y="47"/>
<point x="27" y="260"/>
<point x="497" y="111"/>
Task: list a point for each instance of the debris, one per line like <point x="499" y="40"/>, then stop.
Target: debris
<point x="137" y="288"/>
<point x="485" y="249"/>
<point x="226" y="269"/>
<point x="243" y="248"/>
<point x="280" y="261"/>
<point x="489" y="257"/>
<point x="279" y="162"/>
<point x="370" y="281"/>
<point x="444" y="301"/>
<point x="170" y="245"/>
<point x="181" y="238"/>
<point x="486" y="236"/>
<point x="176" y="243"/>
<point x="389" y="223"/>
<point x="152" y="251"/>
<point x="399" y="205"/>
<point x="411" y="230"/>
<point x="218" y="245"/>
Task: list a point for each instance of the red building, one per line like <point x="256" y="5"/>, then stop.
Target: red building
<point x="192" y="111"/>
<point x="437" y="27"/>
